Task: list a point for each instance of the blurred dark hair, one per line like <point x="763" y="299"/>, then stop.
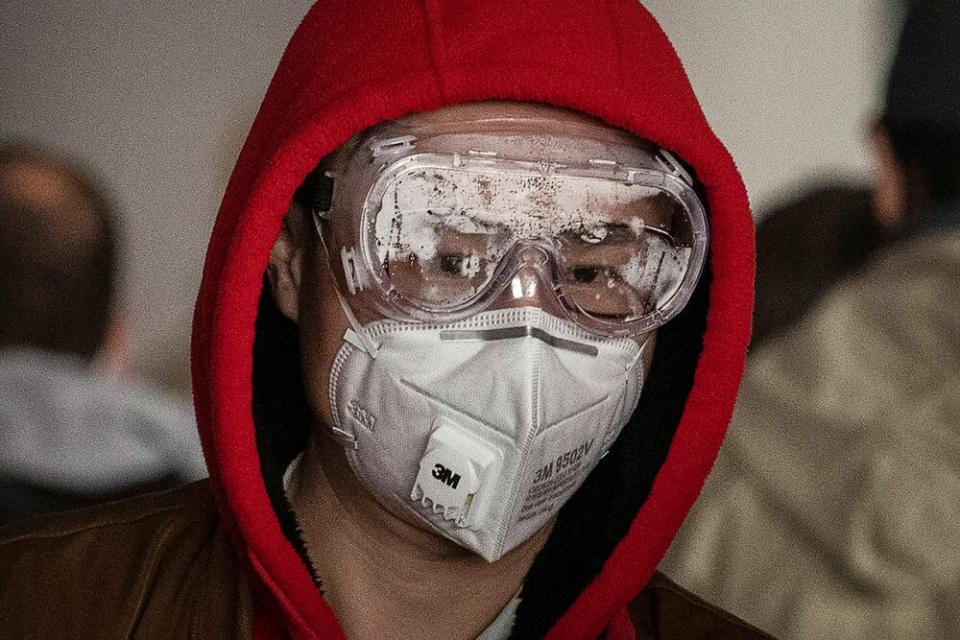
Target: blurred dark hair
<point x="921" y="112"/>
<point x="930" y="158"/>
<point x="55" y="295"/>
<point x="804" y="247"/>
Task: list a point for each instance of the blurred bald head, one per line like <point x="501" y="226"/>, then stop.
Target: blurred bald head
<point x="57" y="254"/>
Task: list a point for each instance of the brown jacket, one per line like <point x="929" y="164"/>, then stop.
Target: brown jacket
<point x="161" y="567"/>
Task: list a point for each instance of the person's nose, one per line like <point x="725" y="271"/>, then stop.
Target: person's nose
<point x="530" y="285"/>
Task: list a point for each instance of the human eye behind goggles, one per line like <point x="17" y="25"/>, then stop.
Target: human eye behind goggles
<point x="438" y="237"/>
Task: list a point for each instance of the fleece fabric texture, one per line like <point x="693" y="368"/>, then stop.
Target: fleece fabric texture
<point x="351" y="65"/>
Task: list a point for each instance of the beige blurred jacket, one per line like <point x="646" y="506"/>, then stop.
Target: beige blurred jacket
<point x="834" y="507"/>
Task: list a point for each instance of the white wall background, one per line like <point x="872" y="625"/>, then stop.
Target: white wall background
<point x="157" y="97"/>
<point x="790" y="85"/>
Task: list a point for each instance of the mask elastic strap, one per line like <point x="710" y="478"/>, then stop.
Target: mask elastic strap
<point x="640" y="352"/>
<point x="355" y="335"/>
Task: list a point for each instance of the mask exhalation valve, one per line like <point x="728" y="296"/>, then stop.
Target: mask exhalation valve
<point x="452" y="472"/>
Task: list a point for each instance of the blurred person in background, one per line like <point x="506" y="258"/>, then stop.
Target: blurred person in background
<point x="807" y="245"/>
<point x="834" y="507"/>
<point x="72" y="431"/>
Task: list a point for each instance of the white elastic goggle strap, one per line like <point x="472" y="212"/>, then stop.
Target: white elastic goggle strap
<point x="355" y="335"/>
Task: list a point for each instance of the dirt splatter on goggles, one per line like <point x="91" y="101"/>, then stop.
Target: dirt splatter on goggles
<point x="437" y="223"/>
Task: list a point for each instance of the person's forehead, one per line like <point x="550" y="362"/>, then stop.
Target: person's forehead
<point x="533" y="122"/>
<point x="543" y="118"/>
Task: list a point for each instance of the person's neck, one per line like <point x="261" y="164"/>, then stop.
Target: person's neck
<point x="385" y="577"/>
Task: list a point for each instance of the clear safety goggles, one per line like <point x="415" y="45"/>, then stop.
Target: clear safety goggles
<point x="435" y="226"/>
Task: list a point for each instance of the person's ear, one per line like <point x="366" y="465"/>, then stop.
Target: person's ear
<point x="890" y="181"/>
<point x="285" y="269"/>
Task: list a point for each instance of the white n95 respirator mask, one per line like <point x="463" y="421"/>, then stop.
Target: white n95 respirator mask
<point x="481" y="429"/>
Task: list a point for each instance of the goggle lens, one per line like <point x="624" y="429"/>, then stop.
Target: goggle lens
<point x="620" y="250"/>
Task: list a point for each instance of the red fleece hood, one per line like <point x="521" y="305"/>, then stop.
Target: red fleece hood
<point x="355" y="63"/>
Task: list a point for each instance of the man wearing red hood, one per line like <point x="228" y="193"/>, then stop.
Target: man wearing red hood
<point x="472" y="323"/>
